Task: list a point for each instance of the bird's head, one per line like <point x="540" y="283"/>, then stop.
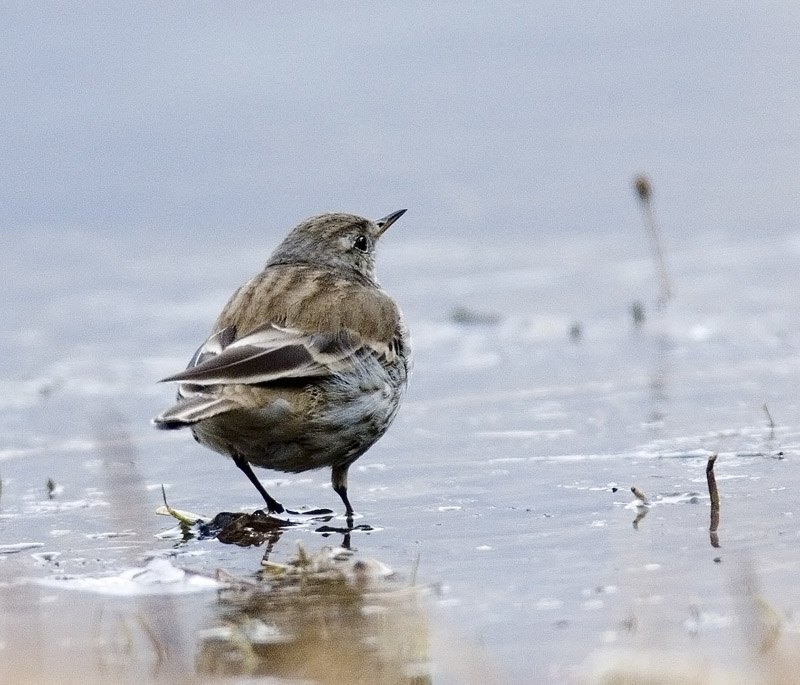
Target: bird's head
<point x="342" y="243"/>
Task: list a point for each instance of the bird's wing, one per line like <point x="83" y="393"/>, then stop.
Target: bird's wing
<point x="213" y="346"/>
<point x="267" y="354"/>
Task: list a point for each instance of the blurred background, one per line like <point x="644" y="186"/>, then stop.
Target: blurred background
<point x="154" y="154"/>
<point x="233" y="121"/>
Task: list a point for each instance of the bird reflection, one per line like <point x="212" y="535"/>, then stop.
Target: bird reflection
<point x="325" y="617"/>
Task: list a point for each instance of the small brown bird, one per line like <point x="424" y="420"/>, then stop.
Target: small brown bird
<point x="308" y="362"/>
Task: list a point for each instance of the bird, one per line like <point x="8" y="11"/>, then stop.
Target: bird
<point x="308" y="362"/>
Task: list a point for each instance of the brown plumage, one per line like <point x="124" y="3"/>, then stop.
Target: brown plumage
<point x="307" y="364"/>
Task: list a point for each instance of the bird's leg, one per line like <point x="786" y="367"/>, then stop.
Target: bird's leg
<point x="339" y="483"/>
<point x="273" y="506"/>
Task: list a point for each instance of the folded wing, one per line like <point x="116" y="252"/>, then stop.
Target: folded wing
<point x="267" y="354"/>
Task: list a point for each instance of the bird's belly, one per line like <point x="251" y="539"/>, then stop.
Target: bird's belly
<point x="346" y="417"/>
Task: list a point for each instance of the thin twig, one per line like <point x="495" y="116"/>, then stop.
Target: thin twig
<point x="414" y="570"/>
<point x="770" y="422"/>
<point x="640" y="495"/>
<point x="714" y="495"/>
<point x="644" y="192"/>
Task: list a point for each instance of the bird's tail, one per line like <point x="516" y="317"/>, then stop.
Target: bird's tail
<point x="191" y="410"/>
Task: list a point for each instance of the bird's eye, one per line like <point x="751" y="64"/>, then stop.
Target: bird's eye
<point x="361" y="243"/>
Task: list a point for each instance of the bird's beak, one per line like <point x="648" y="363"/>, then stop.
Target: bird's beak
<point x="387" y="221"/>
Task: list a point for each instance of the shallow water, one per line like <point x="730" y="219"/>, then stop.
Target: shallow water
<point x="149" y="171"/>
<point x="503" y="489"/>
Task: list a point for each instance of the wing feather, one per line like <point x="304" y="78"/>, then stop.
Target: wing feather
<point x="267" y="354"/>
<point x="191" y="410"/>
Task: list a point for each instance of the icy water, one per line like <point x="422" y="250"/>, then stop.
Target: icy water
<point x="501" y="494"/>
